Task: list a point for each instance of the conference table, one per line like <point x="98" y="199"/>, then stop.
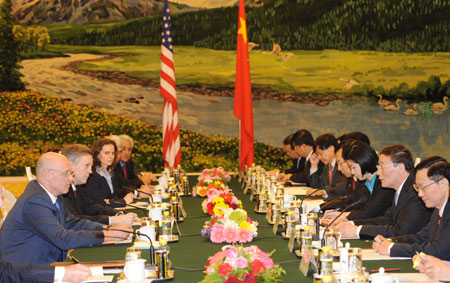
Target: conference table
<point x="192" y="250"/>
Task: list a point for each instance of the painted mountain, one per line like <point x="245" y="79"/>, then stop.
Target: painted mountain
<point x="87" y="11"/>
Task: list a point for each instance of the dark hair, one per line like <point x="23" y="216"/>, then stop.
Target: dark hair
<point x="358" y="136"/>
<point x="365" y="156"/>
<point x="288" y="140"/>
<point x="97" y="147"/>
<point x="437" y="166"/>
<point x="73" y="152"/>
<point x="302" y="137"/>
<point x="346" y="147"/>
<point x="325" y="141"/>
<point x="399" y="154"/>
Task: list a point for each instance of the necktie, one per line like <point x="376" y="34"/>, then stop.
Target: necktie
<point x="330" y="174"/>
<point x="396" y="198"/>
<point x="353" y="185"/>
<point x="58" y="215"/>
<point x="124" y="169"/>
<point x="439" y="220"/>
<point x="75" y="193"/>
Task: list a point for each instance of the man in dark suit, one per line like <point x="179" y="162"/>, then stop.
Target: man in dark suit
<point x="330" y="177"/>
<point x="303" y="143"/>
<point x="39" y="229"/>
<point x="12" y="273"/>
<point x="126" y="176"/>
<point x="432" y="184"/>
<point x="288" y="147"/>
<point x="407" y="214"/>
<point x="81" y="160"/>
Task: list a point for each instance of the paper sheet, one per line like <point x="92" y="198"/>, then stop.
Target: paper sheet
<point x="298" y="191"/>
<point x="408" y="277"/>
<point x="312" y="204"/>
<point x="371" y="254"/>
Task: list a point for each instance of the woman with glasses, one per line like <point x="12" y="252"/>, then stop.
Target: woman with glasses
<point x="99" y="187"/>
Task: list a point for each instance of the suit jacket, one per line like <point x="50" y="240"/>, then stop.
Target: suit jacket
<point x="97" y="190"/>
<point x="432" y="239"/>
<point x="407" y="217"/>
<point x="124" y="185"/>
<point x="84" y="208"/>
<point x="379" y="201"/>
<point x="303" y="175"/>
<point x="351" y="195"/>
<point x="320" y="179"/>
<point x="297" y="166"/>
<point x="13" y="273"/>
<point x="33" y="234"/>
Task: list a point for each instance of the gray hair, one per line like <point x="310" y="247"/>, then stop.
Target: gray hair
<point x="73" y="152"/>
<point x="128" y="139"/>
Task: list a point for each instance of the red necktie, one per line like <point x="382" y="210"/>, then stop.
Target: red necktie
<point x="75" y="193"/>
<point x="330" y="173"/>
<point x="124" y="168"/>
<point x="353" y="184"/>
<point x="439" y="220"/>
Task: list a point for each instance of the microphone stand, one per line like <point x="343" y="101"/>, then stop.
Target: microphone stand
<point x="152" y="248"/>
<point x="364" y="199"/>
<point x="145" y="193"/>
<point x="326" y="205"/>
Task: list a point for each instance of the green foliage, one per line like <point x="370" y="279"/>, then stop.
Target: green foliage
<point x="385" y="25"/>
<point x="32" y="123"/>
<point x="431" y="90"/>
<point x="9" y="56"/>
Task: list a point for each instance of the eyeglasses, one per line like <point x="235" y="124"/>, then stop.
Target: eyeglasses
<point x="379" y="166"/>
<point x="68" y="173"/>
<point x="422" y="188"/>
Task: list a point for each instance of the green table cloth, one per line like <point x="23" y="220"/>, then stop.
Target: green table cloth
<point x="193" y="250"/>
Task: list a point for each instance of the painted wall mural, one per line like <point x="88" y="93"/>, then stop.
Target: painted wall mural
<point x="381" y="67"/>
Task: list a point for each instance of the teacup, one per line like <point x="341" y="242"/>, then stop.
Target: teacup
<point x="135" y="270"/>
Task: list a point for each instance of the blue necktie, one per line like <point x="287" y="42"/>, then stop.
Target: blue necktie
<point x="58" y="215"/>
<point x="396" y="199"/>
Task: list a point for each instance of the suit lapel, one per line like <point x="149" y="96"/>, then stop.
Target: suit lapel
<point x="403" y="197"/>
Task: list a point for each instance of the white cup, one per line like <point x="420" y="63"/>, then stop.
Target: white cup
<point x="148" y="231"/>
<point x="135" y="270"/>
<point x="157" y="198"/>
<point x="288" y="199"/>
<point x="382" y="277"/>
<point x="163" y="181"/>
<point x="156" y="214"/>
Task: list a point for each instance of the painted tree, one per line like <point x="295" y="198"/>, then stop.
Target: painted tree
<point x="9" y="54"/>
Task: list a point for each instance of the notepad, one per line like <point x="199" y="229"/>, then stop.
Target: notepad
<point x="371" y="254"/>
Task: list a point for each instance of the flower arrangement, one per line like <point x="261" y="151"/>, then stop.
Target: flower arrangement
<point x="214" y="174"/>
<point x="234" y="226"/>
<point x="239" y="264"/>
<point x="218" y="199"/>
<point x="207" y="185"/>
<point x="33" y="123"/>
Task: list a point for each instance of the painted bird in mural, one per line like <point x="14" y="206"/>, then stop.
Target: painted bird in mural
<point x="438" y="107"/>
<point x="382" y="102"/>
<point x="276" y="49"/>
<point x="393" y="107"/>
<point x="252" y="45"/>
<point x="412" y="111"/>
<point x="288" y="55"/>
<point x="350" y="83"/>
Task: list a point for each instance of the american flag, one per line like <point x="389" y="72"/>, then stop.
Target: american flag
<point x="171" y="137"/>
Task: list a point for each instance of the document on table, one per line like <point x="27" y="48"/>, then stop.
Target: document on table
<point x="297" y="191"/>
<point x="97" y="275"/>
<point x="408" y="277"/>
<point x="371" y="254"/>
<point x="312" y="204"/>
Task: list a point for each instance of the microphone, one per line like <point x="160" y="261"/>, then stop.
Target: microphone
<point x="145" y="193"/>
<point x="152" y="248"/>
<point x="138" y="207"/>
<point x="308" y="195"/>
<point x="328" y="204"/>
<point x="361" y="200"/>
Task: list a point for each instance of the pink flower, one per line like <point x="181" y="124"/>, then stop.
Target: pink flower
<point x="229" y="251"/>
<point x="230" y="235"/>
<point x="217" y="236"/>
<point x="241" y="262"/>
<point x="245" y="236"/>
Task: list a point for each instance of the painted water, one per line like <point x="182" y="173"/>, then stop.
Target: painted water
<point x="272" y="120"/>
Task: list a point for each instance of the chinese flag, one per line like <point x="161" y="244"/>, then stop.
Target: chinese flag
<point x="243" y="107"/>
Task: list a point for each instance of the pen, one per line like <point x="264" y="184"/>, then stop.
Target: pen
<point x="74" y="259"/>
